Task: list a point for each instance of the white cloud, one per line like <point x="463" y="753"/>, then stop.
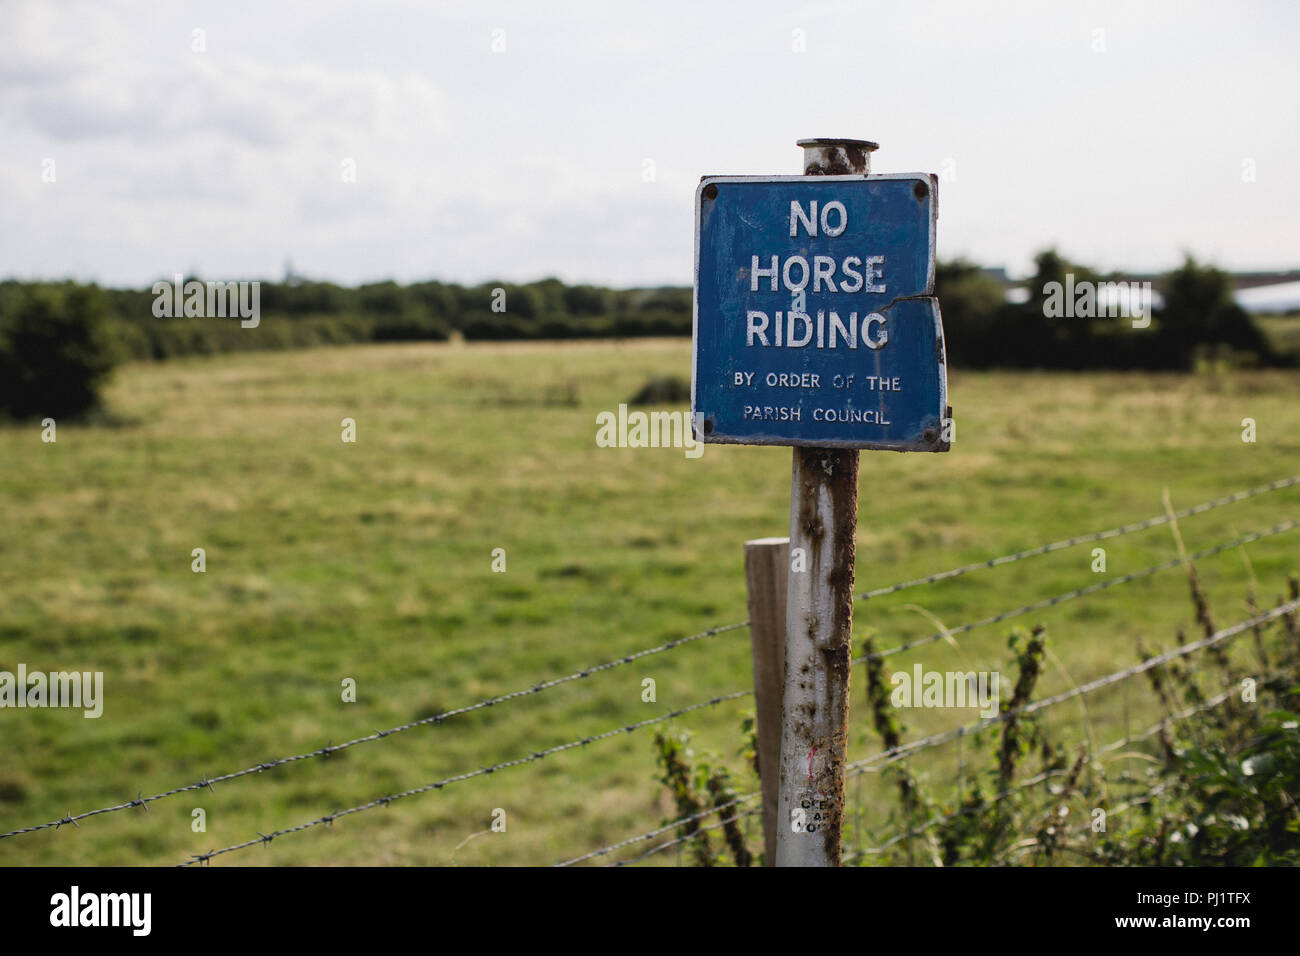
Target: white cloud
<point x="471" y="164"/>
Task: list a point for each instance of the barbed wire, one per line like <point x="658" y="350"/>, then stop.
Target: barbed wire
<point x="1134" y="801"/>
<point x="1148" y="795"/>
<point x="332" y="748"/>
<point x="1045" y="775"/>
<point x="1137" y="800"/>
<point x="207" y="783"/>
<point x="1025" y="784"/>
<point x="1145" y="797"/>
<point x="872" y="763"/>
<point x="658" y="830"/>
<point x="1080" y="592"/>
<point x="659" y="848"/>
<point x="886" y="757"/>
<point x="265" y="838"/>
<point x="1081" y="539"/>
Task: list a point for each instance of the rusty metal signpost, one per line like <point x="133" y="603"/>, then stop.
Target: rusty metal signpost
<point x="815" y="327"/>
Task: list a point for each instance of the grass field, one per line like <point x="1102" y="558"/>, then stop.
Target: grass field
<point x="372" y="561"/>
<point x="1283" y="332"/>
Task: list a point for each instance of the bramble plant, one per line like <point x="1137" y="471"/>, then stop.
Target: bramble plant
<point x="1221" y="794"/>
<point x="695" y="789"/>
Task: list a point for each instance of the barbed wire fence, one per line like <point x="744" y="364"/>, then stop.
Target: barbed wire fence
<point x="1043" y="776"/>
<point x="886" y="757"/>
<point x="732" y="807"/>
<point x="330" y="749"/>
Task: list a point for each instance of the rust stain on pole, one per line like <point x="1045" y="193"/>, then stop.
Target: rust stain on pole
<point x="820" y="635"/>
<point x="819" y="615"/>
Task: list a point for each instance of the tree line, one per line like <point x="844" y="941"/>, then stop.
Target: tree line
<point x="1197" y="320"/>
<point x="60" y="340"/>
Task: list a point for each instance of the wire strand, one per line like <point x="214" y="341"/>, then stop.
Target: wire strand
<point x="658" y="830"/>
<point x="265" y="839"/>
<point x="1081" y="592"/>
<point x="1151" y="522"/>
<point x="1045" y="775"/>
<point x="886" y="757"/>
<point x="207" y="782"/>
<point x="659" y="848"/>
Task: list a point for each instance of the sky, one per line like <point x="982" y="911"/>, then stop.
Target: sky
<point x="469" y="141"/>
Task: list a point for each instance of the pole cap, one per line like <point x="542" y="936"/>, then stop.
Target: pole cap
<point x="828" y="156"/>
<point x="866" y="144"/>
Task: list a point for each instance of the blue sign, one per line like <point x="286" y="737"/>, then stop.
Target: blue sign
<point x="815" y="322"/>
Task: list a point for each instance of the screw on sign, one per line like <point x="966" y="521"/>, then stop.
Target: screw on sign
<point x="815" y="326"/>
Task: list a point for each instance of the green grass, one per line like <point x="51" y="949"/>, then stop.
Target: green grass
<point x="1283" y="333"/>
<point x="372" y="561"/>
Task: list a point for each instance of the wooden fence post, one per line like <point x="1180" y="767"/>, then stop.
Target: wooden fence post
<point x="767" y="568"/>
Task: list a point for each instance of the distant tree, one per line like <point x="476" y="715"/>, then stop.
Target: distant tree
<point x="970" y="300"/>
<point x="1200" y="313"/>
<point x="382" y="298"/>
<point x="1068" y="338"/>
<point x="525" y="300"/>
<point x="550" y="295"/>
<point x="437" y="298"/>
<point x="56" y="350"/>
<point x="667" y="299"/>
<point x="314" y="298"/>
<point x="587" y="300"/>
